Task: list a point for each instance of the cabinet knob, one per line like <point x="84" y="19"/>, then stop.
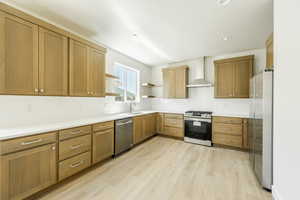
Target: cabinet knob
<point x="41" y="90"/>
<point x="36" y="90"/>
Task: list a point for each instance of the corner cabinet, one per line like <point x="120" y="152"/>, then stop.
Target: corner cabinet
<point x="27" y="172"/>
<point x="175" y="80"/>
<point x="87" y="70"/>
<point x="144" y="127"/>
<point x="18" y="56"/>
<point x="232" y="77"/>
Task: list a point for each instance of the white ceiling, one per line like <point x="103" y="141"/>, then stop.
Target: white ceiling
<point x="167" y="30"/>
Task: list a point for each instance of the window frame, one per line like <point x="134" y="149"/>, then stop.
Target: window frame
<point x="138" y="98"/>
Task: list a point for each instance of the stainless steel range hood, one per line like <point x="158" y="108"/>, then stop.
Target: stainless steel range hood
<point x="201" y="82"/>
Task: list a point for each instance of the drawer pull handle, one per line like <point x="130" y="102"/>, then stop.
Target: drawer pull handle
<point x="76" y="164"/>
<point x="76" y="132"/>
<point x="31" y="142"/>
<point x="76" y="146"/>
<point x="103" y="132"/>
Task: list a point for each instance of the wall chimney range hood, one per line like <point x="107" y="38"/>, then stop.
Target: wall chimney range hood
<point x="200" y="82"/>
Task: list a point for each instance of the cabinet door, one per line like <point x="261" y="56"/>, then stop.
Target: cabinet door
<point x="103" y="145"/>
<point x="242" y="75"/>
<point x="169" y="87"/>
<point x="159" y="123"/>
<point x="153" y="124"/>
<point x="18" y="56"/>
<point x="28" y="172"/>
<point x="96" y="64"/>
<point x="137" y="130"/>
<point x="224" y="80"/>
<point x="180" y="83"/>
<point x="53" y="63"/>
<point x="269" y="49"/>
<point x="78" y="69"/>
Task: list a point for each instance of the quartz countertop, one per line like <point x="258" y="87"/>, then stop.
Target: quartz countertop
<point x="44" y="127"/>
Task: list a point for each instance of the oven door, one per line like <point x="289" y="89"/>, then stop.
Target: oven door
<point x="198" y="128"/>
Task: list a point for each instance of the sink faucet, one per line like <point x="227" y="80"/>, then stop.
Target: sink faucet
<point x="131" y="105"/>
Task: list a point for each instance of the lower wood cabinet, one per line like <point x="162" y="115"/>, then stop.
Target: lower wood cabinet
<point x="160" y="123"/>
<point x="173" y="125"/>
<point x="230" y="131"/>
<point x="103" y="145"/>
<point x="27" y="172"/>
<point x="73" y="165"/>
<point x="143" y="127"/>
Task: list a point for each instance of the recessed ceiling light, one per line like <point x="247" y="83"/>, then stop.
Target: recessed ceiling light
<point x="223" y="2"/>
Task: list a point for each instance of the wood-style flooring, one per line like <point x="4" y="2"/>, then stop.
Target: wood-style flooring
<point x="167" y="169"/>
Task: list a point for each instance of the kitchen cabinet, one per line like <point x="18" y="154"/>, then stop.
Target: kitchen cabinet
<point x="87" y="70"/>
<point x="96" y="80"/>
<point x="18" y="56"/>
<point x="36" y="58"/>
<point x="173" y="125"/>
<point x="103" y="145"/>
<point x="232" y="77"/>
<point x="78" y="68"/>
<point x="160" y="123"/>
<point x="175" y="80"/>
<point x="230" y="131"/>
<point x="53" y="63"/>
<point x="27" y="172"/>
<point x="269" y="50"/>
<point x="144" y="127"/>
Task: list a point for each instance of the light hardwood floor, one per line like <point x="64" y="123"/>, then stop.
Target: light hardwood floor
<point x="167" y="169"/>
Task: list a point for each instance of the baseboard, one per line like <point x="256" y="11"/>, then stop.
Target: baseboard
<point x="275" y="194"/>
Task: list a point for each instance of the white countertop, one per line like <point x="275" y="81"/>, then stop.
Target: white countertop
<point x="230" y="115"/>
<point x="43" y="127"/>
<point x="27" y="130"/>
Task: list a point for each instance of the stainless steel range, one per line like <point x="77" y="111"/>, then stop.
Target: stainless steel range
<point x="198" y="127"/>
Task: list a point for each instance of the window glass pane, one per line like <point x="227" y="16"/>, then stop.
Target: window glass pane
<point x="128" y="87"/>
<point x="131" y="83"/>
<point x="120" y="72"/>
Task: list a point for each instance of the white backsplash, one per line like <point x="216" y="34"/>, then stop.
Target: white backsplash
<point x="203" y="98"/>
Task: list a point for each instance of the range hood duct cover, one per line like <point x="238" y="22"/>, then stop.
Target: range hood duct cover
<point x="201" y="82"/>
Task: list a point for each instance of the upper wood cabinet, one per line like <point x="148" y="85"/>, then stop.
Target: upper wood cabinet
<point x="27" y="172"/>
<point x="18" y="56"/>
<point x="232" y="77"/>
<point x="269" y="50"/>
<point x="87" y="70"/>
<point x="36" y="58"/>
<point x="96" y="73"/>
<point x="53" y="63"/>
<point x="175" y="80"/>
<point x="78" y="68"/>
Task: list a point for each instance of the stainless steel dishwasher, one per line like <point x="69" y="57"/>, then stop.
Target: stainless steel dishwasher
<point x="123" y="135"/>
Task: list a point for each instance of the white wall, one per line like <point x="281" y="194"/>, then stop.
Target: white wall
<point x="19" y="110"/>
<point x="286" y="100"/>
<point x="203" y="98"/>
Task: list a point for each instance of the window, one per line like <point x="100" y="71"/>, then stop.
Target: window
<point x="128" y="89"/>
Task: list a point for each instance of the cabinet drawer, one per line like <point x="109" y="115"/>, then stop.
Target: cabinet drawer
<point x="176" y="116"/>
<point x="103" y="126"/>
<point x="228" y="129"/>
<point x="171" y="131"/>
<point x="74" y="146"/>
<point x="174" y="122"/>
<point x="19" y="144"/>
<point x="229" y="140"/>
<point x="74" y="132"/>
<point x="73" y="165"/>
<point x="228" y="120"/>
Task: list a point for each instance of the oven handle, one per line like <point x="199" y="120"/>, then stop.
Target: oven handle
<point x="198" y="120"/>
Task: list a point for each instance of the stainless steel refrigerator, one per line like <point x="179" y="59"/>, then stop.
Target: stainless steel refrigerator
<point x="261" y="127"/>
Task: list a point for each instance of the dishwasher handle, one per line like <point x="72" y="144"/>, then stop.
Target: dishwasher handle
<point x="124" y="123"/>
